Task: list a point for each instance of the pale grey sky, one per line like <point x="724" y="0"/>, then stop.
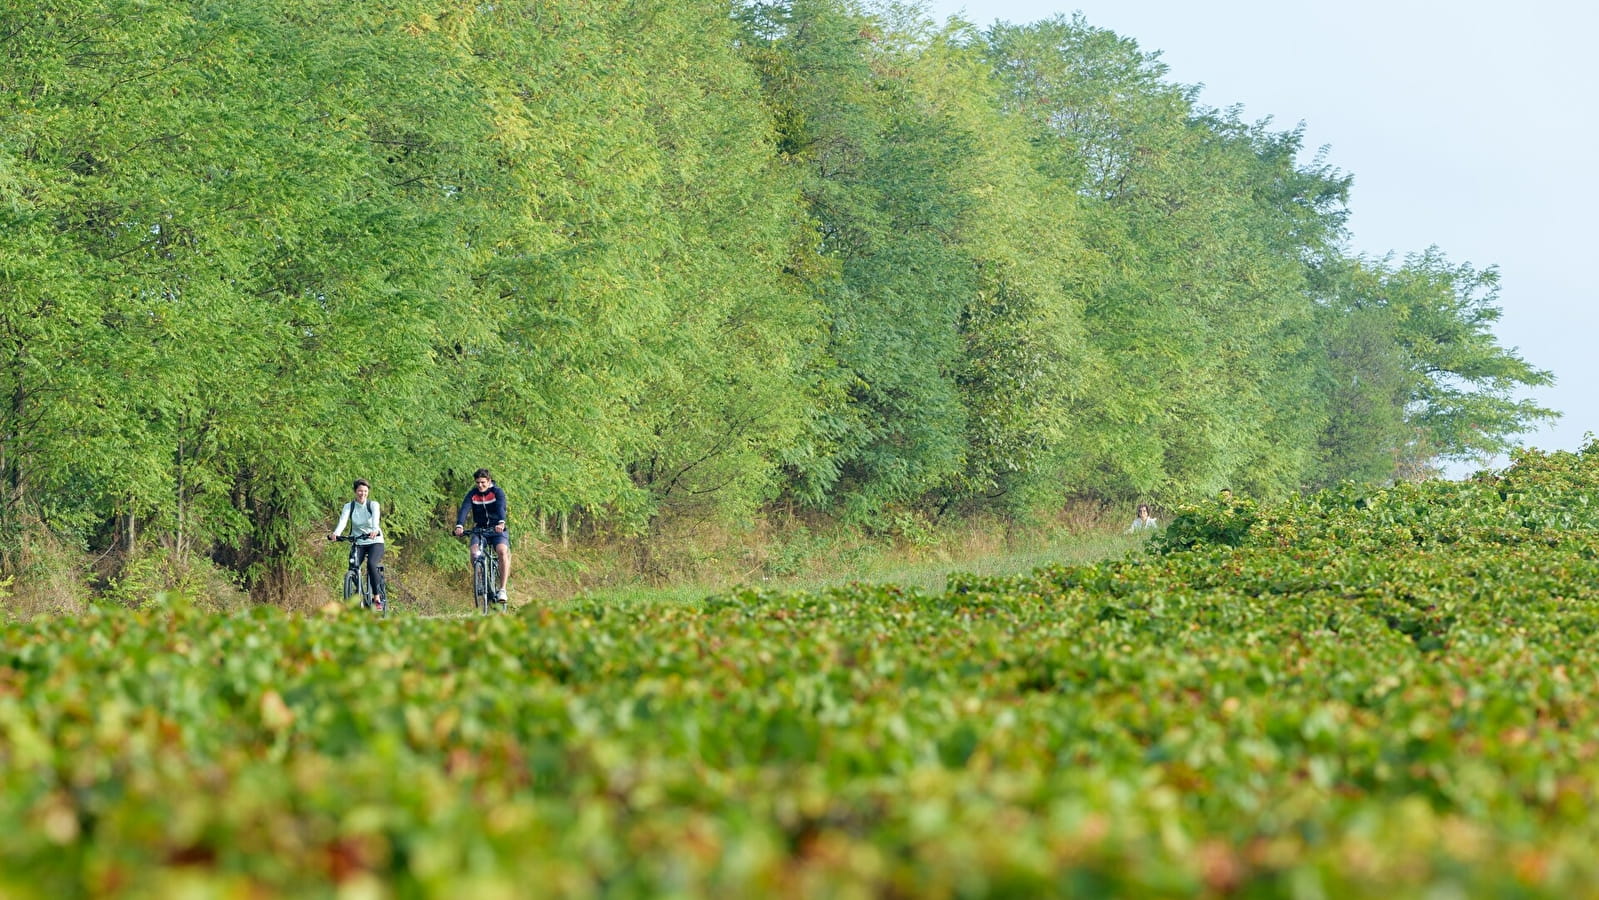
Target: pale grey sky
<point x="1468" y="125"/>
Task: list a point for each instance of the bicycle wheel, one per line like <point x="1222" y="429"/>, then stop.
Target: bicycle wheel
<point x="494" y="604"/>
<point x="480" y="584"/>
<point x="388" y="597"/>
<point x="352" y="586"/>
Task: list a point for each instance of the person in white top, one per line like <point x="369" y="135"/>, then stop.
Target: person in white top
<point x="1145" y="521"/>
<point x="362" y="515"/>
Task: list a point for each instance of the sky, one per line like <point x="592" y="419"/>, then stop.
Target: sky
<point x="1466" y="125"/>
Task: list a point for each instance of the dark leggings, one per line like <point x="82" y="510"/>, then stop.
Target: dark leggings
<point x="373" y="554"/>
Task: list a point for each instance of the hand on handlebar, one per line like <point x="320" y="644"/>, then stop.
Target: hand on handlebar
<point x="459" y="529"/>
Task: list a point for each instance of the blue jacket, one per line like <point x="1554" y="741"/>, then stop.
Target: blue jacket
<point x="487" y="507"/>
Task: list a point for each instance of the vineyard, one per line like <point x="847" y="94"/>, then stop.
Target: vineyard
<point x="1360" y="692"/>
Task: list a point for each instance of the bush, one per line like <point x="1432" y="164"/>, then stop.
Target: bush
<point x="1224" y="521"/>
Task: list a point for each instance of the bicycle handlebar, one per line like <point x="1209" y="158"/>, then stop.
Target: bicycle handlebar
<point x="477" y="531"/>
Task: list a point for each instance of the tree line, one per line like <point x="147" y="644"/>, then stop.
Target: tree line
<point x="697" y="258"/>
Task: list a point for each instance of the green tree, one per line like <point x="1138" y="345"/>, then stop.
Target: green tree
<point x="952" y="334"/>
<point x="642" y="349"/>
<point x="65" y="67"/>
<point x="1200" y="227"/>
<point x="250" y="240"/>
<point x="1024" y="355"/>
<point x="729" y="394"/>
<point x="1413" y="372"/>
<point x="874" y="178"/>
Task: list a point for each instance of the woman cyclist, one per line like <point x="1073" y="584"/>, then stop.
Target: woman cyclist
<point x="361" y="514"/>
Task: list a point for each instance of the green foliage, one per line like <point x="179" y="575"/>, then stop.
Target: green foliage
<point x="159" y="577"/>
<point x="1411" y="369"/>
<point x="1225" y="521"/>
<point x="1202" y="227"/>
<point x="876" y="169"/>
<point x="662" y="263"/>
<point x="1370" y="691"/>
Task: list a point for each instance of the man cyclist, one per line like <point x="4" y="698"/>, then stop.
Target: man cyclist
<point x="361" y="514"/>
<point x="486" y="503"/>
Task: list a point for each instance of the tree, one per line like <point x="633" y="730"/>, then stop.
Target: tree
<point x="247" y="240"/>
<point x="1201" y="226"/>
<point x="875" y="172"/>
<point x="1412" y="370"/>
<point x="1024" y="356"/>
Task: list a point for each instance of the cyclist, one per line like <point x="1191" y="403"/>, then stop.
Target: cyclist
<point x="486" y="503"/>
<point x="1145" y="521"/>
<point x="361" y="514"/>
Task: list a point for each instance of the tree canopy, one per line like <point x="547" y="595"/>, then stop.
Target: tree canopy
<point x="653" y="260"/>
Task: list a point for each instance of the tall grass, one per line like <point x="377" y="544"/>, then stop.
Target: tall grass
<point x="926" y="567"/>
<point x="428" y="576"/>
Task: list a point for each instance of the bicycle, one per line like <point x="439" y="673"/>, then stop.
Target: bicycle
<point x="356" y="583"/>
<point x="485" y="569"/>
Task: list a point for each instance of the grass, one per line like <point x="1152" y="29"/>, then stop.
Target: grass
<point x="927" y="569"/>
<point x="799" y="556"/>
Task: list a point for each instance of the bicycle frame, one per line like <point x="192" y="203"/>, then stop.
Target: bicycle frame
<point x="356" y="581"/>
<point x="485" y="568"/>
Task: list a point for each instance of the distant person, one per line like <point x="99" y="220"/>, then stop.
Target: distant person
<point x="1144" y="521"/>
<point x="486" y="504"/>
<point x="362" y="514"/>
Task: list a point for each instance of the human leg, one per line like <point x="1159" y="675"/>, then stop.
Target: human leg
<point x="374" y="572"/>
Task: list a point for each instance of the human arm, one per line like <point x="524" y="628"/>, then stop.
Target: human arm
<point x="497" y="513"/>
<point x="344" y="519"/>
